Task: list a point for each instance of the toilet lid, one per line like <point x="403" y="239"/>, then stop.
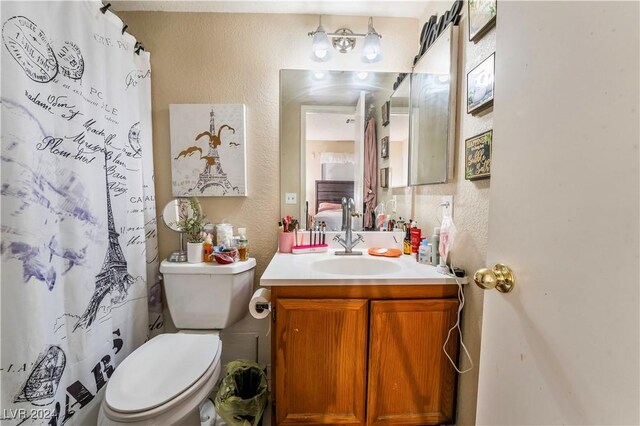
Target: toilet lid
<point x="160" y="370"/>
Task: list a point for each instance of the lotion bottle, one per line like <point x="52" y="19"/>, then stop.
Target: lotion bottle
<point x="424" y="253"/>
<point x="435" y="243"/>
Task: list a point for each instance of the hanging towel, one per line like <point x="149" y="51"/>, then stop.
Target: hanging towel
<point x="370" y="172"/>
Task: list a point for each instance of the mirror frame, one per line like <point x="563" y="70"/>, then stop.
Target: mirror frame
<point x="451" y="31"/>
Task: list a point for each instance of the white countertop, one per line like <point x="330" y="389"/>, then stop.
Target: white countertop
<point x="312" y="269"/>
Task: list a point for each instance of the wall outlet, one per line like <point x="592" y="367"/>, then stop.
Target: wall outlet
<point x="291" y="198"/>
<point x="447" y="206"/>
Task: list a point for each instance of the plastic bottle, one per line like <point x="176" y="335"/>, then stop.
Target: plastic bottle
<point x="416" y="236"/>
<point x="424" y="253"/>
<point x="435" y="242"/>
<point x="243" y="245"/>
<point x="207" y="245"/>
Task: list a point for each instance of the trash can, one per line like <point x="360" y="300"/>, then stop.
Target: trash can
<point x="242" y="395"/>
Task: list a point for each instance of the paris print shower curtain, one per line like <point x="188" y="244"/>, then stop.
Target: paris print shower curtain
<point x="79" y="252"/>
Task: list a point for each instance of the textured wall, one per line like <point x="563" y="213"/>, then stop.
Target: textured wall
<point x="233" y="58"/>
<point x="471" y="206"/>
<point x="236" y="58"/>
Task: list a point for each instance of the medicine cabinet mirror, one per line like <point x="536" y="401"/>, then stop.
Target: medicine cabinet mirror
<point x="399" y="135"/>
<point x="433" y="111"/>
<point x="322" y="123"/>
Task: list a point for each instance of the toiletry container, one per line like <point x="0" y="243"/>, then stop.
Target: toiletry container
<point x="424" y="253"/>
<point x="407" y="241"/>
<point x="435" y="243"/>
<point x="416" y="236"/>
<point x="165" y="380"/>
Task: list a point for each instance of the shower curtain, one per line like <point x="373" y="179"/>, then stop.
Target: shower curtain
<point x="79" y="273"/>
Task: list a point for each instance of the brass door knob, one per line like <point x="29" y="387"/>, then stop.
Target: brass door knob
<point x="500" y="278"/>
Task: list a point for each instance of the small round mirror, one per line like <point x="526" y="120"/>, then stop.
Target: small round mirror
<point x="173" y="214"/>
<point x="179" y="209"/>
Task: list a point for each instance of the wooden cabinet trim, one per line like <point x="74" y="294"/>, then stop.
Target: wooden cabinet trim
<point x="367" y="292"/>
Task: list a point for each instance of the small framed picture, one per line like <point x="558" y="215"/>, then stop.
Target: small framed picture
<point x="482" y="16"/>
<point x="480" y="85"/>
<point x="477" y="156"/>
<point x="385" y="113"/>
<point x="384" y="177"/>
<point x="384" y="147"/>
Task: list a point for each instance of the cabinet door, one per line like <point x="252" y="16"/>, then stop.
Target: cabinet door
<point x="411" y="381"/>
<point x="321" y="349"/>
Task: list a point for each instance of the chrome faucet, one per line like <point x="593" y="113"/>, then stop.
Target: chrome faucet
<point x="348" y="211"/>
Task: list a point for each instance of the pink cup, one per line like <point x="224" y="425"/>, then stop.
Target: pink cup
<point x="285" y="242"/>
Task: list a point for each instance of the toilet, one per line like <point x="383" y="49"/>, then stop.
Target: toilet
<point x="165" y="380"/>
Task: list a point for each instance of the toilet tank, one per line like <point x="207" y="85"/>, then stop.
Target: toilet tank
<point x="207" y="296"/>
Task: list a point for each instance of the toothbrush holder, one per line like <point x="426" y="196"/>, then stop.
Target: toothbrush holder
<point x="285" y="242"/>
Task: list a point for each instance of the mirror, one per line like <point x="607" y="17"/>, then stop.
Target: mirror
<point x="174" y="212"/>
<point x="322" y="124"/>
<point x="433" y="97"/>
<point x="399" y="135"/>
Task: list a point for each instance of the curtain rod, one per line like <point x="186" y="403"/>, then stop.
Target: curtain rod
<point x="136" y="47"/>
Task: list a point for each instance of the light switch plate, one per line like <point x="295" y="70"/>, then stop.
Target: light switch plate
<point x="291" y="198"/>
<point x="447" y="205"/>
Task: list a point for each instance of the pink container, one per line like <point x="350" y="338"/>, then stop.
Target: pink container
<point x="285" y="242"/>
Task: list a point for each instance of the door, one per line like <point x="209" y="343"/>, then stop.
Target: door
<point x="321" y="361"/>
<point x="411" y="382"/>
<point x="562" y="347"/>
<point x="358" y="190"/>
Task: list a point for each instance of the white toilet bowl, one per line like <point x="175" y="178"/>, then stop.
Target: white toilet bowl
<point x="163" y="382"/>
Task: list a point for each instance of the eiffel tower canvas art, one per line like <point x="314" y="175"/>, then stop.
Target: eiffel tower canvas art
<point x="113" y="279"/>
<point x="208" y="162"/>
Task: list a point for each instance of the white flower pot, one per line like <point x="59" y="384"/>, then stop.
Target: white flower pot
<point x="194" y="252"/>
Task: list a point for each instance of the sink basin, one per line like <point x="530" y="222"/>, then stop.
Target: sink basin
<point x="356" y="266"/>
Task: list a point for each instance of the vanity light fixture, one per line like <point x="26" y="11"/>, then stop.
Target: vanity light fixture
<point x="321" y="48"/>
<point x="344" y="40"/>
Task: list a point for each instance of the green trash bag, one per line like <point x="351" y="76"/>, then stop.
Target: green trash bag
<point x="242" y="396"/>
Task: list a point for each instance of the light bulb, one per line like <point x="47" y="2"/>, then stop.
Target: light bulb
<point x="320" y="53"/>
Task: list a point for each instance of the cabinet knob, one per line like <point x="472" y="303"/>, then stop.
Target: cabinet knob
<point x="500" y="277"/>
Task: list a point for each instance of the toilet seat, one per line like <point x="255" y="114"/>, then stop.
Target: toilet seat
<point x="162" y="374"/>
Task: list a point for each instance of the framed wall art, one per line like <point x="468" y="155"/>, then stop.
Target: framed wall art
<point x="482" y="16"/>
<point x="384" y="147"/>
<point x="384" y="177"/>
<point x="480" y="85"/>
<point x="208" y="150"/>
<point x="385" y="113"/>
<point x="477" y="156"/>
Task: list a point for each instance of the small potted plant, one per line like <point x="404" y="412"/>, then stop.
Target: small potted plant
<point x="191" y="222"/>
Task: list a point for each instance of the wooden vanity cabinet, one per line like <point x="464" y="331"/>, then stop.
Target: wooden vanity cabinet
<point x="363" y="355"/>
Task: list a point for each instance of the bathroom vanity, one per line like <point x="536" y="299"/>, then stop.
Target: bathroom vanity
<point x="359" y="340"/>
